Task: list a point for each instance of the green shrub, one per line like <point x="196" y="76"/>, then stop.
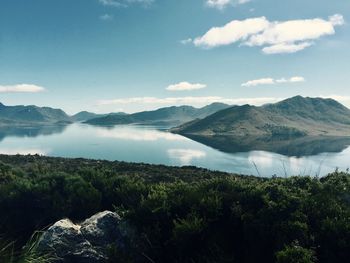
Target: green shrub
<point x="181" y="214"/>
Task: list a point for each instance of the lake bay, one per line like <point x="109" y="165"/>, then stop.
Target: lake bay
<point x="149" y="144"/>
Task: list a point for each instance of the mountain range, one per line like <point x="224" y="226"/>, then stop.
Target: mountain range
<point x="170" y="116"/>
<point x="33" y="115"/>
<point x="291" y="118"/>
<point x="21" y="115"/>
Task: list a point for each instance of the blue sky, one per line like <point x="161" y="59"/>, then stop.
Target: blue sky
<point x="130" y="55"/>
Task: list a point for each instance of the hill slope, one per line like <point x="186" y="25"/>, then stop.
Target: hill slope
<point x="294" y="117"/>
<point x="20" y="115"/>
<point x="166" y="116"/>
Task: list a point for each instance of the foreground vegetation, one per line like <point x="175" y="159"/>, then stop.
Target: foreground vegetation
<point x="180" y="214"/>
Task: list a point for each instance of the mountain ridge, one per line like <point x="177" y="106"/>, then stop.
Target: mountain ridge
<point x="173" y="115"/>
<point x="293" y="117"/>
<point x="26" y="115"/>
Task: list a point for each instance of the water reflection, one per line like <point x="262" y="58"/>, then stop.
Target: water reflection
<point x="137" y="133"/>
<point x="304" y="146"/>
<point x="32" y="131"/>
<point x="186" y="156"/>
<point x="24" y="151"/>
<point x="305" y="156"/>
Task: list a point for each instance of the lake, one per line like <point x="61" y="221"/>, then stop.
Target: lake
<point x="155" y="145"/>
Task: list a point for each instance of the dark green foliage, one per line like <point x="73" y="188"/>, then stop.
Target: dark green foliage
<point x="295" y="254"/>
<point x="183" y="214"/>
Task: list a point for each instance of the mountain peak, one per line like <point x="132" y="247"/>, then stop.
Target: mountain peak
<point x="295" y="99"/>
<point x="300" y="103"/>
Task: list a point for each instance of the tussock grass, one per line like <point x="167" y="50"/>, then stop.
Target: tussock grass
<point x="28" y="254"/>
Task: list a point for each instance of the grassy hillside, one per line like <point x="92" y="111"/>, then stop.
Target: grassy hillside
<point x="181" y="214"/>
<point x="164" y="116"/>
<point x="291" y="118"/>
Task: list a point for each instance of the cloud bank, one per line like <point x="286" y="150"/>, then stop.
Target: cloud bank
<point x="185" y="86"/>
<point x="21" y="88"/>
<point x="271" y="81"/>
<point x="273" y="37"/>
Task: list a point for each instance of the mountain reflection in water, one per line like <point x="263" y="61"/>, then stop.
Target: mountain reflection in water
<point x="153" y="144"/>
<point x="304" y="146"/>
<point x="32" y="131"/>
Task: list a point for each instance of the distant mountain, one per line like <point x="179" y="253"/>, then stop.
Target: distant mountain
<point x="164" y="116"/>
<point x="27" y="115"/>
<point x="294" y="117"/>
<point x="85" y="116"/>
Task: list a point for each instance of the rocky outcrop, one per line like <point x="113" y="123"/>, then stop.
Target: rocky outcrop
<point x="87" y="242"/>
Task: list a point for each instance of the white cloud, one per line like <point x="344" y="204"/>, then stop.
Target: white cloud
<point x="271" y="81"/>
<point x="274" y="37"/>
<point x="125" y="3"/>
<point x="106" y="17"/>
<point x="282" y="80"/>
<point x="297" y="79"/>
<point x="286" y="48"/>
<point x="186" y="41"/>
<point x="185" y="156"/>
<point x="232" y="32"/>
<point x="194" y="101"/>
<point x="292" y="31"/>
<point x="221" y="4"/>
<point x="256" y="82"/>
<point x="21" y="88"/>
<point x="337" y="20"/>
<point x="185" y="86"/>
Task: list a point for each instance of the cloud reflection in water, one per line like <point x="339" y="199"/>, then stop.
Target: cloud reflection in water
<point x="132" y="134"/>
<point x="23" y="151"/>
<point x="185" y="156"/>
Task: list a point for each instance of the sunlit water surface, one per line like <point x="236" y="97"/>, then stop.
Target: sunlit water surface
<point x="156" y="146"/>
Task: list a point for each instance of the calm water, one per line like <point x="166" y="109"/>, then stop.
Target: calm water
<point x="156" y="146"/>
